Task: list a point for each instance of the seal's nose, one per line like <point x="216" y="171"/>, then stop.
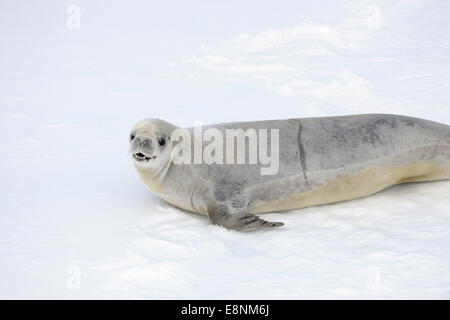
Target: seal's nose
<point x="144" y="142"/>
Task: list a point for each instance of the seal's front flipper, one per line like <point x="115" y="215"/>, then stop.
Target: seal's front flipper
<point x="250" y="222"/>
<point x="219" y="215"/>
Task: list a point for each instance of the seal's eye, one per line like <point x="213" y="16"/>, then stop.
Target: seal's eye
<point x="162" y="142"/>
<point x="132" y="136"/>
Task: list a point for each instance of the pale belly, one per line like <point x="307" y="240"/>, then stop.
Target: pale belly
<point x="352" y="185"/>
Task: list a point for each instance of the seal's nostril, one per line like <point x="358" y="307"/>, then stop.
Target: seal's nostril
<point x="144" y="143"/>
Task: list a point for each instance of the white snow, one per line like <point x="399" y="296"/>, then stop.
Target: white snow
<point x="76" y="222"/>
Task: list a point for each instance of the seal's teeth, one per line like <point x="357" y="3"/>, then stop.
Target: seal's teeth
<point x="141" y="156"/>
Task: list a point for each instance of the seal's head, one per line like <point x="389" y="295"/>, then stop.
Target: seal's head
<point x="150" y="144"/>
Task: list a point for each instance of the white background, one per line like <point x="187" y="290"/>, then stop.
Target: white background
<point x="76" y="222"/>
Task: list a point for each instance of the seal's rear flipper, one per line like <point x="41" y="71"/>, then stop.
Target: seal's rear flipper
<point x="219" y="215"/>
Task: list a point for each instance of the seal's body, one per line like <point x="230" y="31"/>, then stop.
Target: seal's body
<point x="321" y="160"/>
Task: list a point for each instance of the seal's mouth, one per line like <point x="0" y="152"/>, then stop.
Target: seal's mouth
<point x="139" y="156"/>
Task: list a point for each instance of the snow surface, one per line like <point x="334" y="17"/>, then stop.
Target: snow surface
<point x="76" y="222"/>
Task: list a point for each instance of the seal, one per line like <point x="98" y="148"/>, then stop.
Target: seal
<point x="321" y="160"/>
